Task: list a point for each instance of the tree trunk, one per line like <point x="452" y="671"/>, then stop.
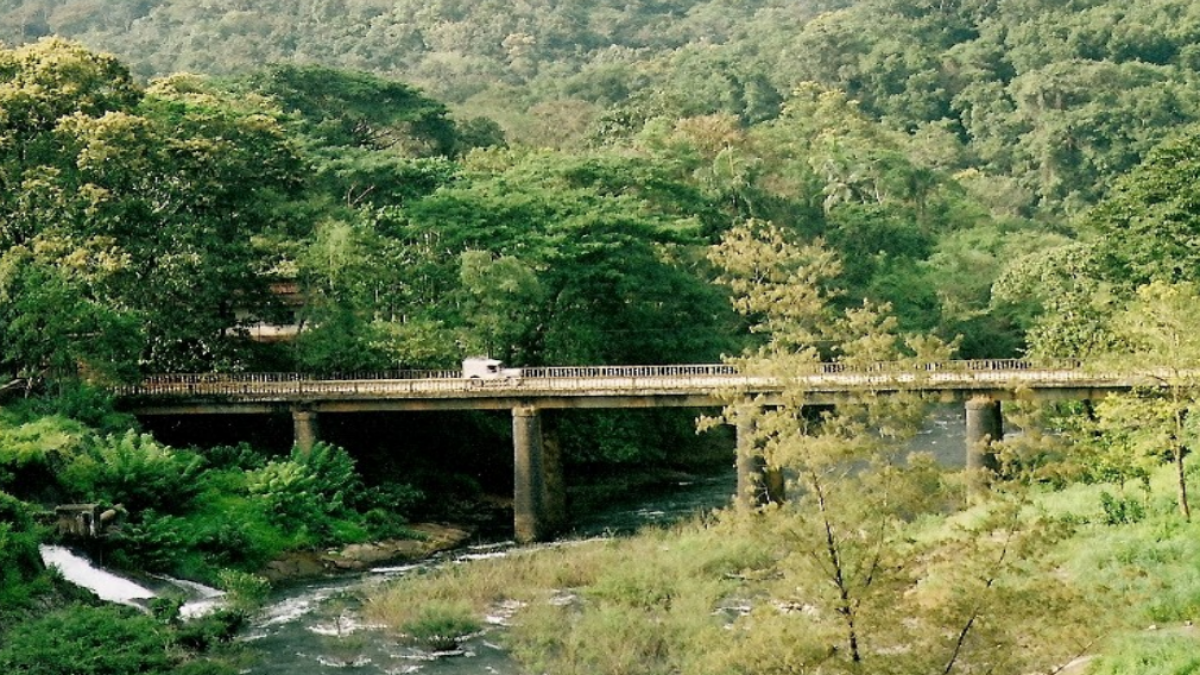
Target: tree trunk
<point x="1184" y="509"/>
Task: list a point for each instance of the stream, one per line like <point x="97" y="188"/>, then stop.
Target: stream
<point x="316" y="626"/>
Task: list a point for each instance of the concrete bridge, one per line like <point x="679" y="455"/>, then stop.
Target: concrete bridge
<point x="539" y="504"/>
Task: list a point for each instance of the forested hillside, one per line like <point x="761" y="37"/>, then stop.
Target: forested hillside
<point x="1047" y="100"/>
<point x="938" y="148"/>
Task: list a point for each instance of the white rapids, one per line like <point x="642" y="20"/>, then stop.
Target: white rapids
<point x="81" y="572"/>
<point x="114" y="588"/>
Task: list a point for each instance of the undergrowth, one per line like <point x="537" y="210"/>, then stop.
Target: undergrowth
<point x="713" y="596"/>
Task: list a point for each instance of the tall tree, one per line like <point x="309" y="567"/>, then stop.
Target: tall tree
<point x="855" y="493"/>
<point x="149" y="203"/>
<point x="1160" y="335"/>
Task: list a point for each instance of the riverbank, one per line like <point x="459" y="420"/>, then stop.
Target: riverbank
<point x="1066" y="582"/>
<point x="427" y="540"/>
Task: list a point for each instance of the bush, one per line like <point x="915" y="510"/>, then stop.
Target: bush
<point x="152" y="542"/>
<point x="244" y="592"/>
<point x="20" y="562"/>
<point x="202" y="634"/>
<point x="33" y="454"/>
<point x="84" y="403"/>
<point x="81" y="640"/>
<point x="310" y="492"/>
<point x="241" y="457"/>
<point x="137" y="471"/>
<point x="1121" y="510"/>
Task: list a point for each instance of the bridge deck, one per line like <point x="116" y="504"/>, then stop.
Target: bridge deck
<point x="612" y="386"/>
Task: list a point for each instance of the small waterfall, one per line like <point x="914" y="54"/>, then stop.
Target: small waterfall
<point x="114" y="588"/>
<point x="81" y="572"/>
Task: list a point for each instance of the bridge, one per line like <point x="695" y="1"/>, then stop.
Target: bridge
<point x="539" y="506"/>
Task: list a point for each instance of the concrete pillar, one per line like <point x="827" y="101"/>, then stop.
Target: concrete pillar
<point x="304" y="426"/>
<point x="985" y="425"/>
<point x="555" y="494"/>
<point x="538" y="495"/>
<point x="756" y="484"/>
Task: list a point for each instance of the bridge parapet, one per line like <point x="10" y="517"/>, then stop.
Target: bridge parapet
<point x="600" y="381"/>
<point x="689" y="374"/>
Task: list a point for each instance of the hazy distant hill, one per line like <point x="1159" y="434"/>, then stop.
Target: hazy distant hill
<point x="1055" y="97"/>
<point x="429" y="41"/>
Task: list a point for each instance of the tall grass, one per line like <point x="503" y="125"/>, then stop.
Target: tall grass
<point x="1165" y="653"/>
<point x="716" y="597"/>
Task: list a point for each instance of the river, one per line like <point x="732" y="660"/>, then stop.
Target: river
<point x="316" y="627"/>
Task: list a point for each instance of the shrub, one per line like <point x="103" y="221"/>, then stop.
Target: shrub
<point x="33" y="454"/>
<point x="200" y="635"/>
<point x="1121" y="510"/>
<point x="20" y="562"/>
<point x="137" y="471"/>
<point x="151" y="541"/>
<point x="310" y="492"/>
<point x="400" y="498"/>
<point x="81" y="640"/>
<point x="90" y="405"/>
<point x="244" y="592"/>
<point x="241" y="457"/>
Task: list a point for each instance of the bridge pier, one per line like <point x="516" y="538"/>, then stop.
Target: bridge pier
<point x="304" y="429"/>
<point x="539" y="497"/>
<point x="985" y="426"/>
<point x="757" y="485"/>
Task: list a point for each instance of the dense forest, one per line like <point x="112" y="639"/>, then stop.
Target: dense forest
<point x="559" y="183"/>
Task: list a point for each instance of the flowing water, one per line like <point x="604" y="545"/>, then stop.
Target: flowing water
<point x="317" y="627"/>
<point x="198" y="598"/>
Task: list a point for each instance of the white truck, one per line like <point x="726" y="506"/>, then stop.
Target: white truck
<point x="484" y="368"/>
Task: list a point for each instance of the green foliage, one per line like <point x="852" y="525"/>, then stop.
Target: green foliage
<point x="206" y="632"/>
<point x="1157" y="653"/>
<point x="34" y="453"/>
<point x="137" y="218"/>
<point x="357" y="109"/>
<point x="1122" y="509"/>
<point x="137" y="471"/>
<point x="87" y="641"/>
<point x="153" y="542"/>
<point x="241" y="456"/>
<point x="89" y="405"/>
<point x="20" y="562"/>
<point x="1145" y="224"/>
<point x="310" y="492"/>
<point x="110" y="640"/>
<point x="244" y="592"/>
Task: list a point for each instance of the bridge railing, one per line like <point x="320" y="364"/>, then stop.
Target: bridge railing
<point x="564" y="378"/>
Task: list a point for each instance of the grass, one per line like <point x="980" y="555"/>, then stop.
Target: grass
<point x="1156" y="653"/>
<point x="718" y="596"/>
<point x="440" y="625"/>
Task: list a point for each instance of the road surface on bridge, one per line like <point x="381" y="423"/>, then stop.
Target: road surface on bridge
<point x="637" y="386"/>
